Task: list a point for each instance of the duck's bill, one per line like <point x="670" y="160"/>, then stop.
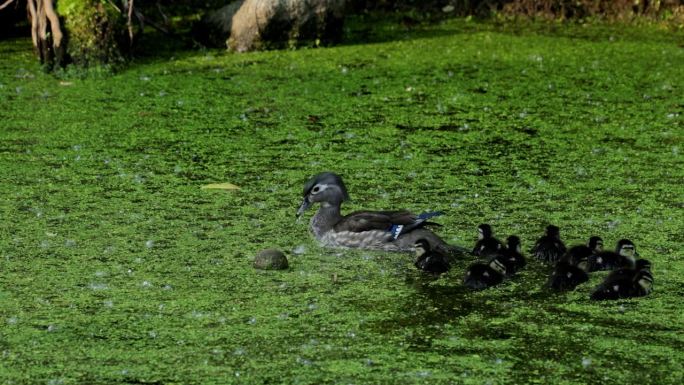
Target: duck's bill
<point x="305" y="205"/>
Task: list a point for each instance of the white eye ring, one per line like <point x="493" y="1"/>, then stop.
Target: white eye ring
<point x="315" y="190"/>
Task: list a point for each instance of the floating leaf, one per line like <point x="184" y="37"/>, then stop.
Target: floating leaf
<point x="220" y="186"/>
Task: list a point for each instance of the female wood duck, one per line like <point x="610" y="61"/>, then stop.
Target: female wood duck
<point x="636" y="281"/>
<point x="428" y="260"/>
<point x="549" y="248"/>
<point x="623" y="257"/>
<point x="379" y="230"/>
<point x="486" y="245"/>
<point x="571" y="270"/>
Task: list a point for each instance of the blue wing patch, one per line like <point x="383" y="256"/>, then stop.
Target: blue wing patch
<point x="396" y="230"/>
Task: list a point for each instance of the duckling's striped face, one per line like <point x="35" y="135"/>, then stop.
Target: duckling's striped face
<point x="628" y="250"/>
<point x="599" y="246"/>
<point x="484" y="231"/>
<point x="646" y="282"/>
<point x="421" y="247"/>
<point x="583" y="264"/>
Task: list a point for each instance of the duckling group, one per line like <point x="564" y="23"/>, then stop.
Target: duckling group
<point x="401" y="230"/>
<point x="502" y="261"/>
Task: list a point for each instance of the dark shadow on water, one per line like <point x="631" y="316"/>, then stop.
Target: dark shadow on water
<point x="387" y="27"/>
<point x="370" y="29"/>
<point x="381" y="28"/>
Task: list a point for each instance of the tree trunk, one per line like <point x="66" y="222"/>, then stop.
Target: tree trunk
<point x="97" y="31"/>
<point x="83" y="32"/>
<point x="46" y="32"/>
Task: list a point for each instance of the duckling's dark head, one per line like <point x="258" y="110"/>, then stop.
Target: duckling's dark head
<point x="553" y="231"/>
<point x="579" y="256"/>
<point x="513" y="242"/>
<point x="643" y="264"/>
<point x="326" y="187"/>
<point x="595" y="244"/>
<point x="484" y="231"/>
<point x="626" y="248"/>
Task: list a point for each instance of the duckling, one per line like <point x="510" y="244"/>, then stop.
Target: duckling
<point x="595" y="244"/>
<point x="549" y="248"/>
<point x="626" y="282"/>
<point x="486" y="245"/>
<point x="428" y="260"/>
<point x="643" y="279"/>
<point x="571" y="270"/>
<point x="483" y="275"/>
<point x="624" y="255"/>
<point x="396" y="230"/>
<point x="512" y="257"/>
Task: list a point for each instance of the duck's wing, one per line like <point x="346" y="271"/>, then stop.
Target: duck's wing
<point x="360" y="221"/>
<point x="396" y="222"/>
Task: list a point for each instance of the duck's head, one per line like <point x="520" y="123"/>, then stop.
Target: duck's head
<point x="422" y="246"/>
<point x="579" y="256"/>
<point x="484" y="231"/>
<point x="626" y="248"/>
<point x="326" y="188"/>
<point x="513" y="243"/>
<point x="595" y="244"/>
<point x="553" y="231"/>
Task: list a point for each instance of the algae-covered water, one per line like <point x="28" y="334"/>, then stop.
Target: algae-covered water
<point x="116" y="267"/>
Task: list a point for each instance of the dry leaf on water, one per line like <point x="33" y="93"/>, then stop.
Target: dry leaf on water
<point x="220" y="186"/>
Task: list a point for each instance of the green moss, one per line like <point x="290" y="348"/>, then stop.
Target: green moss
<point x="95" y="31"/>
<point x="116" y="267"/>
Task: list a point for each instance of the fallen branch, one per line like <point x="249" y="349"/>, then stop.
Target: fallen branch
<point x="129" y="22"/>
<point x="55" y="27"/>
<point x="6" y="4"/>
<point x="144" y="20"/>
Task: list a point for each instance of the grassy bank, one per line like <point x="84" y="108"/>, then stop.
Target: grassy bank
<point x="115" y="267"/>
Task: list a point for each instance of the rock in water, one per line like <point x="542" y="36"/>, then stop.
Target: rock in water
<point x="265" y="23"/>
<point x="214" y="27"/>
<point x="270" y="259"/>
